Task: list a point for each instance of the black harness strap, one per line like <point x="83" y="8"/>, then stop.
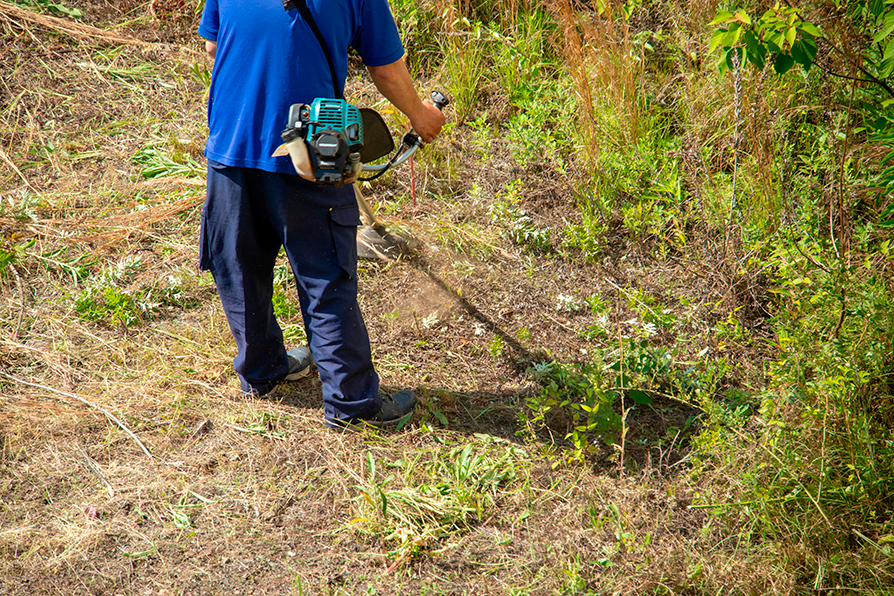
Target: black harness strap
<point x="301" y="5"/>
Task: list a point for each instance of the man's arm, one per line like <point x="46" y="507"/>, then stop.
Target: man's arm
<point x="395" y="83"/>
<point x="211" y="48"/>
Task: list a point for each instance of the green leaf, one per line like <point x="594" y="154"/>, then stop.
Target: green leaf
<point x="887" y="28"/>
<point x="887" y="213"/>
<point x="766" y="18"/>
<point x="790" y="35"/>
<point x="809" y="44"/>
<point x="756" y="52"/>
<point x="802" y="54"/>
<point x="750" y="40"/>
<point x="716" y="40"/>
<point x="887" y="65"/>
<point x="722" y="17"/>
<point x="732" y="36"/>
<point x="403" y="422"/>
<point x="783" y="63"/>
<point x="640" y="397"/>
<point x="743" y="17"/>
<point x="384" y="502"/>
<point x="811" y="29"/>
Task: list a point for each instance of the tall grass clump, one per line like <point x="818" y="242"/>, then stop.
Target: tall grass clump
<point x="818" y="459"/>
<point x="605" y="64"/>
<point x="623" y="138"/>
<point x="463" y="46"/>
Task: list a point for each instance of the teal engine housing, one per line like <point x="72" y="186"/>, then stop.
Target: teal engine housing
<point x="333" y="131"/>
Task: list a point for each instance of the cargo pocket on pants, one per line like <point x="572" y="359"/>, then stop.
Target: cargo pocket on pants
<point x="343" y="223"/>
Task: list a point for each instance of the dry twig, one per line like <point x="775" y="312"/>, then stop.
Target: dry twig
<point x="108" y="414"/>
<point x="13" y="167"/>
<point x="94" y="467"/>
<point x="78" y="29"/>
<point x="15" y="334"/>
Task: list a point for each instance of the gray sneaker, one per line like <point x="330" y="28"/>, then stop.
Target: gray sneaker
<point x="396" y="408"/>
<point x="300" y="360"/>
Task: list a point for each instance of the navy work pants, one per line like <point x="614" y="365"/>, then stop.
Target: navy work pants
<point x="248" y="215"/>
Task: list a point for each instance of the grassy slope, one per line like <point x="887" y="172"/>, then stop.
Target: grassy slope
<point x="103" y="304"/>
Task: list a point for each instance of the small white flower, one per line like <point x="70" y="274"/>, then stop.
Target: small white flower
<point x="565" y="302"/>
<point x="430" y="321"/>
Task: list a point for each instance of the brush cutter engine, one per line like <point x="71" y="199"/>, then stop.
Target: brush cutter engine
<point x="324" y="140"/>
<point x="331" y="142"/>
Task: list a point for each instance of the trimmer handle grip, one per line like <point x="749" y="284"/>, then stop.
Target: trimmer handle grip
<point x="439" y="99"/>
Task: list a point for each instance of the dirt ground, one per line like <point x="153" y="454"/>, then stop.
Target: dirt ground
<point x="207" y="492"/>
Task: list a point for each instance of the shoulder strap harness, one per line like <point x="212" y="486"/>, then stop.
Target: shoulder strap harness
<point x="301" y="5"/>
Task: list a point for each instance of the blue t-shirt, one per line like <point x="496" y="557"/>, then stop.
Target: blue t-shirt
<point x="268" y="59"/>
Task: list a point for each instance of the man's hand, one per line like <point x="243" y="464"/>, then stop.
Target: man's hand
<point x="428" y="121"/>
<point x="395" y="83"/>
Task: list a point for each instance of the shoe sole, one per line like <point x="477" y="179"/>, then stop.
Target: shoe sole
<point x="298" y="375"/>
<point x="390" y="423"/>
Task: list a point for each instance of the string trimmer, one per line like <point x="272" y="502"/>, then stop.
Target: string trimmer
<point x="331" y="142"/>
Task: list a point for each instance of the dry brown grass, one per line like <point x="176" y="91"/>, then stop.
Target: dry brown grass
<point x="253" y="496"/>
<point x="16" y="14"/>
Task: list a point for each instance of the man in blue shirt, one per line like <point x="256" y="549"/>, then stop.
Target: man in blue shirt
<point x="266" y="59"/>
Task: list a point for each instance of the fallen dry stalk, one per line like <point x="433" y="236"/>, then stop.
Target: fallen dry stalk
<point x="117" y="227"/>
<point x="108" y="414"/>
<point x="13" y="167"/>
<point x="114" y="236"/>
<point x="78" y="29"/>
<point x="15" y="334"/>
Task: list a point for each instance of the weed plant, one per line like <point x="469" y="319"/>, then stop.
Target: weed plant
<point x="457" y="488"/>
